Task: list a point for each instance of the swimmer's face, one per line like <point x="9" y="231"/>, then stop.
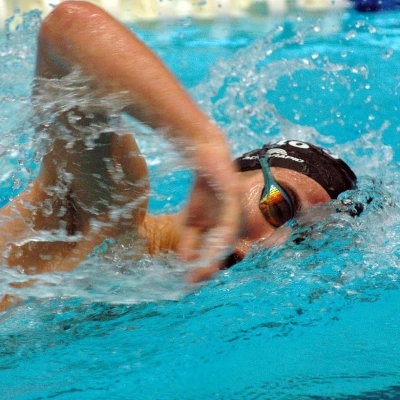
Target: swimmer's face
<point x="301" y="189"/>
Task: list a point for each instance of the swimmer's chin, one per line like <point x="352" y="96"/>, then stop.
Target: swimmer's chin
<point x="201" y="274"/>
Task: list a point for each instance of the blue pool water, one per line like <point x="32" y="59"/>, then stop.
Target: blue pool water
<point x="316" y="318"/>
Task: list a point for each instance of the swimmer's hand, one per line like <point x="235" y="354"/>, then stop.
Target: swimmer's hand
<point x="213" y="213"/>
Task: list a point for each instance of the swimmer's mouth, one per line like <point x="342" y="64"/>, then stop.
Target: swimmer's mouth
<point x="232" y="260"/>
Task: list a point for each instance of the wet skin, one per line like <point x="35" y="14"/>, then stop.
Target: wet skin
<point x="304" y="192"/>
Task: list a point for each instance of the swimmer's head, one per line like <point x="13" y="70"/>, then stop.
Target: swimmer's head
<point x="313" y="176"/>
<point x="328" y="170"/>
<point x="332" y="173"/>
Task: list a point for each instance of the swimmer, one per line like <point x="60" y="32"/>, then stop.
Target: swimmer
<point x="81" y="187"/>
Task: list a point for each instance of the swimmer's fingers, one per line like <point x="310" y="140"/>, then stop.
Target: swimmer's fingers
<point x="203" y="273"/>
<point x="201" y="217"/>
<point x="209" y="250"/>
<point x="213" y="216"/>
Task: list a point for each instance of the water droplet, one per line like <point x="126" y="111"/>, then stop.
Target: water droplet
<point x="359" y="24"/>
<point x="17" y="183"/>
<point x="387" y="54"/>
<point x="351" y="35"/>
<point x="187" y="21"/>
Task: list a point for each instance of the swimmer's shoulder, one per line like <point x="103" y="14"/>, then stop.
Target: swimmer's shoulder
<point x="161" y="232"/>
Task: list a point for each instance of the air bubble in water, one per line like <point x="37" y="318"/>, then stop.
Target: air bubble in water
<point x="359" y="24"/>
<point x="187" y="21"/>
<point x="387" y="54"/>
<point x="17" y="183"/>
<point x="351" y="35"/>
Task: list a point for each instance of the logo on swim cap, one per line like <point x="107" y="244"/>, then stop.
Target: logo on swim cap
<point x="251" y="157"/>
<point x="300" y="145"/>
<point x="273" y="151"/>
<point x="281" y="153"/>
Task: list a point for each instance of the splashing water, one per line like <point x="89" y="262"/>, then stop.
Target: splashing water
<point x="313" y="317"/>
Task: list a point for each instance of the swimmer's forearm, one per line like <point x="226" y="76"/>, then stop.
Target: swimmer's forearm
<point x="78" y="34"/>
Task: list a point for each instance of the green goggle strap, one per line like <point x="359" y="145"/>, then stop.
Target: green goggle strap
<point x="270" y="183"/>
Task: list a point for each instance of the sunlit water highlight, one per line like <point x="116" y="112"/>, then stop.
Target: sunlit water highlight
<point x="314" y="318"/>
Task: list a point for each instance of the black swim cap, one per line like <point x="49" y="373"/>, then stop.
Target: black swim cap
<point x="332" y="173"/>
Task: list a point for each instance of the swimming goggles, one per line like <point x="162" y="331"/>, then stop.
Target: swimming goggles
<point x="275" y="204"/>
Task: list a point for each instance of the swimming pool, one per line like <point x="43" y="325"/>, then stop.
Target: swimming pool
<point x="314" y="319"/>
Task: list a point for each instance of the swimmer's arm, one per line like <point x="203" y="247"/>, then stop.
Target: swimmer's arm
<point x="21" y="219"/>
<point x="24" y="219"/>
<point x="78" y="34"/>
<point x="43" y="230"/>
